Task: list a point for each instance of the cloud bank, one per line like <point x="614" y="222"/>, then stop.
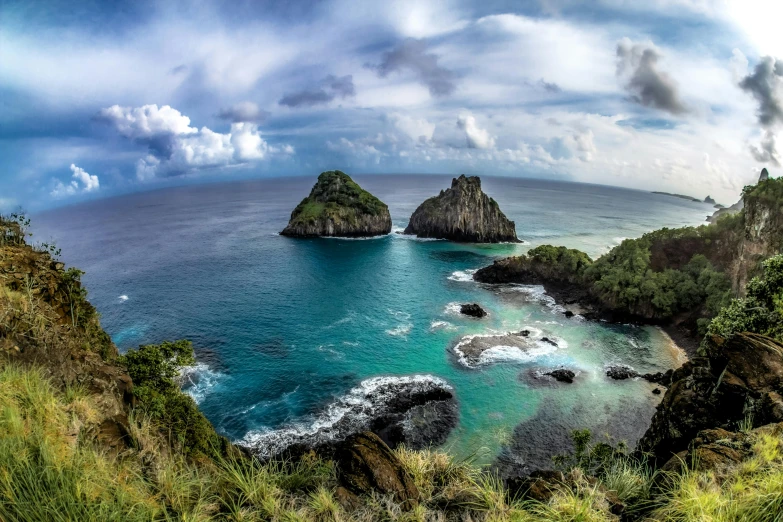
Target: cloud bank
<point x="647" y="84"/>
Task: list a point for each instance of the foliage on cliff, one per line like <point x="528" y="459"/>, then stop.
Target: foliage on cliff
<point x="760" y="311"/>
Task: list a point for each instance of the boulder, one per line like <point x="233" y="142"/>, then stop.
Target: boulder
<point x="562" y="375"/>
<point x="473" y="310"/>
<point x="621" y="372"/>
<point x="462" y="213"/>
<point x="365" y="464"/>
<point x="338" y="207"/>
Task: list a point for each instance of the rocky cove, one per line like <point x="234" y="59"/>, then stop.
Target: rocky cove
<point x="503" y="405"/>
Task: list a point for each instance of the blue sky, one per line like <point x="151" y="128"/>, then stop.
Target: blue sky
<point x="100" y="98"/>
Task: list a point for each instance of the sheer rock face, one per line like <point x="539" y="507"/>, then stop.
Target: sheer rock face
<point x="338" y="207"/>
<point x="462" y="213"/>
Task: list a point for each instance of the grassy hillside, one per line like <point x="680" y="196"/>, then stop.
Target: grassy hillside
<point x="89" y="435"/>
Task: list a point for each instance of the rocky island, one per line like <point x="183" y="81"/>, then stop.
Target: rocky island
<point x="462" y="213"/>
<point x="338" y="207"/>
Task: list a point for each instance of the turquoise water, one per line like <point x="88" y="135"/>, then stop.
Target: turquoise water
<point x="283" y="326"/>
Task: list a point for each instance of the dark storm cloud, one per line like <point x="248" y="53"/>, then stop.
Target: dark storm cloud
<point x="327" y="90"/>
<point x="767" y="151"/>
<point x="647" y="85"/>
<point x="550" y="86"/>
<point x="766" y="85"/>
<point x="412" y="55"/>
<point x="243" y="112"/>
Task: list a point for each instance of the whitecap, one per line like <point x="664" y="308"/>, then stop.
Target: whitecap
<point x="347" y="414"/>
<point x="331" y="351"/>
<point x="463" y="276"/>
<point x="404" y="326"/>
<point x="123" y="298"/>
<point x="441" y="325"/>
<point x="198" y="380"/>
<point x="504" y="347"/>
<point x="453" y="308"/>
<point x="535" y="293"/>
<point x="514" y="354"/>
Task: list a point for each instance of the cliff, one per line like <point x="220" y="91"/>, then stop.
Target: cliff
<point x="739" y="205"/>
<point x="462" y="213"/>
<point x="671" y="276"/>
<point x="338" y="207"/>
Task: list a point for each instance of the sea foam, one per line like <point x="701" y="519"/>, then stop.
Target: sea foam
<point x="348" y="414"/>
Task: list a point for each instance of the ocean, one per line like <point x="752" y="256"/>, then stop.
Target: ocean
<point x="288" y="330"/>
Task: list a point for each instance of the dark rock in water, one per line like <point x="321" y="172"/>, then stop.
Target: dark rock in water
<point x="621" y="372"/>
<point x="740" y="377"/>
<point x="473" y="310"/>
<point x="462" y="213"/>
<point x="662" y="378"/>
<point x="709" y="200"/>
<point x="338" y="207"/>
<point x="568" y="313"/>
<point x="562" y="375"/>
<point x="419" y="411"/>
<point x="366" y="465"/>
<point x="656" y="391"/>
<point x="524" y="333"/>
<point x="548" y="341"/>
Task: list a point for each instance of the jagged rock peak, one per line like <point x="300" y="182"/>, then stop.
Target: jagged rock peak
<point x="764" y="175"/>
<point x="462" y="213"/>
<point x="338" y="207"/>
<point x="709" y="200"/>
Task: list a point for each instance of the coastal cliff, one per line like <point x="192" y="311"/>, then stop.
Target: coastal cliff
<point x="338" y="207"/>
<point x="462" y="213"/>
<point x="680" y="277"/>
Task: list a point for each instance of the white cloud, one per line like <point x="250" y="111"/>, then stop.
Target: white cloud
<point x="477" y="138"/>
<point x="82" y="183"/>
<point x="177" y="148"/>
<point x="147" y="121"/>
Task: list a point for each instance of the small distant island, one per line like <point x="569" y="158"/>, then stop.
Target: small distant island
<point x="462" y="213"/>
<point x="681" y="196"/>
<point x="338" y="207"/>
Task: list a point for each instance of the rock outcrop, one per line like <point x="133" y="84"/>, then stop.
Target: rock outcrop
<point x="739" y="205"/>
<point x="737" y="379"/>
<point x="338" y="207"/>
<point x="365" y="464"/>
<point x="709" y="200"/>
<point x="462" y="213"/>
<point x="562" y="375"/>
<point x="473" y="310"/>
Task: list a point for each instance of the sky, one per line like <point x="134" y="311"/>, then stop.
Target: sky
<point x="100" y="98"/>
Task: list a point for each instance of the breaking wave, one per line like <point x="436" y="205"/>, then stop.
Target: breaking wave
<point x="349" y="414"/>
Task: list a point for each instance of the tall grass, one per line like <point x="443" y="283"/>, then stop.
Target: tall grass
<point x="51" y="470"/>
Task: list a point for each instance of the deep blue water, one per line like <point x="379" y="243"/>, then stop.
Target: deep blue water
<point x="283" y="326"/>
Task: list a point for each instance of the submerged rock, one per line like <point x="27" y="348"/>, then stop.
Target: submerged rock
<point x="462" y="213"/>
<point x="338" y="207"/>
<point x="473" y="310"/>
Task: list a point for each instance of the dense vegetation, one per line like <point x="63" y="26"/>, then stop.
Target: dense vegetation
<point x="337" y="196"/>
<point x="155" y="370"/>
<point x="760" y="311"/>
<point x="625" y="278"/>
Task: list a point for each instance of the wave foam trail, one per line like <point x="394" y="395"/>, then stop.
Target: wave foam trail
<point x="198" y="380"/>
<point x="481" y="349"/>
<point x="348" y="414"/>
<point x="536" y="293"/>
<point x="463" y="276"/>
<point x="404" y="325"/>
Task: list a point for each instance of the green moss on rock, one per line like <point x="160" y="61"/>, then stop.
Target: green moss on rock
<point x="338" y="206"/>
